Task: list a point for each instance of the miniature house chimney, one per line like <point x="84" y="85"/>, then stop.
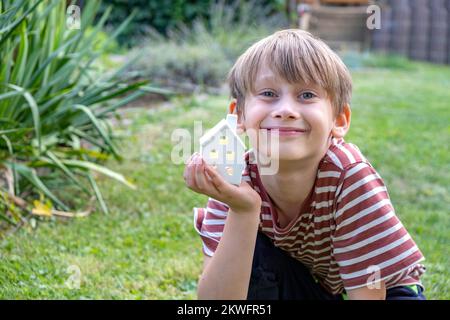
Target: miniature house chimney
<point x="232" y="121"/>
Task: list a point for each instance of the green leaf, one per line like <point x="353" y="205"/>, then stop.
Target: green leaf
<point x="32" y="177"/>
<point x="99" y="169"/>
<point x="66" y="170"/>
<point x="34" y="110"/>
<point x="98" y="194"/>
<point x="97" y="126"/>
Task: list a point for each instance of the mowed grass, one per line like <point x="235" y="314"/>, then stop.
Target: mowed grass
<point x="147" y="248"/>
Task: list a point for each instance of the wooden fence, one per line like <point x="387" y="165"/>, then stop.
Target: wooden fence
<point x="418" y="29"/>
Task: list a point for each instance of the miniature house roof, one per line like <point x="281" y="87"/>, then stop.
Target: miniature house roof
<point x="230" y="123"/>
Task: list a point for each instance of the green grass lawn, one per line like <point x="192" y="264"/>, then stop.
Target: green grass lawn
<point x="146" y="248"/>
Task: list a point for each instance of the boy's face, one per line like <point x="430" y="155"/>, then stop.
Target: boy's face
<point x="302" y="113"/>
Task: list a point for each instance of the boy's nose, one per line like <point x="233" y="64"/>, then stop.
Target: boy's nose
<point x="285" y="111"/>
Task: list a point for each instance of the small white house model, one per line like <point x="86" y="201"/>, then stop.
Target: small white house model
<point x="222" y="148"/>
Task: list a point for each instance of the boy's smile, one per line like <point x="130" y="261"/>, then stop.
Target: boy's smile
<point x="285" y="131"/>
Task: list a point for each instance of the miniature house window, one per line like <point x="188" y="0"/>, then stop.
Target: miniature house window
<point x="223" y="140"/>
<point x="213" y="154"/>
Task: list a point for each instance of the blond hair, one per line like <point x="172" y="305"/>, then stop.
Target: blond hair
<point x="296" y="56"/>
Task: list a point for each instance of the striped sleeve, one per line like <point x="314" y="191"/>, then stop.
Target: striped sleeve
<point x="369" y="242"/>
<point x="209" y="223"/>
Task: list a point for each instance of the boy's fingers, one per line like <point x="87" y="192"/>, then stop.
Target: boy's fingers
<point x="208" y="177"/>
<point x="186" y="168"/>
<point x="190" y="175"/>
<point x="205" y="181"/>
<point x="196" y="178"/>
<point x="200" y="178"/>
<point x="197" y="159"/>
<point x="190" y="180"/>
<point x="219" y="183"/>
<point x="191" y="157"/>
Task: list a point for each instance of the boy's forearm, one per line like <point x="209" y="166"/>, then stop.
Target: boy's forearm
<point x="378" y="292"/>
<point x="227" y="275"/>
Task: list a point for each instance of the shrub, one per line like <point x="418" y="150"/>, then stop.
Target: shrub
<point x="54" y="106"/>
<point x="164" y="15"/>
<point x="201" y="55"/>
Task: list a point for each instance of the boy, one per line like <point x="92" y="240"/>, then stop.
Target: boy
<point x="322" y="226"/>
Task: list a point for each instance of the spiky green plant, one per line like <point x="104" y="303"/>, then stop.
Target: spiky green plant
<point x="54" y="105"/>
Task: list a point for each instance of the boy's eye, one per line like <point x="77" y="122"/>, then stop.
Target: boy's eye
<point x="268" y="94"/>
<point x="308" y="95"/>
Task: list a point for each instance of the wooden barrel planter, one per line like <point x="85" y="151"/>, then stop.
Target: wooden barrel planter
<point x="336" y="24"/>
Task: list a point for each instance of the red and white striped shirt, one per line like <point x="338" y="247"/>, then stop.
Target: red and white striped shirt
<point x="347" y="232"/>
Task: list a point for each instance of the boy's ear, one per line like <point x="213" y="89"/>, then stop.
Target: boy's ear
<point x="233" y="109"/>
<point x="342" y="122"/>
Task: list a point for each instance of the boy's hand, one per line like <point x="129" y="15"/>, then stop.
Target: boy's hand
<point x="202" y="178"/>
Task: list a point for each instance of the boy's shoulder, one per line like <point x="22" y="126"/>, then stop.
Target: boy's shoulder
<point x="343" y="155"/>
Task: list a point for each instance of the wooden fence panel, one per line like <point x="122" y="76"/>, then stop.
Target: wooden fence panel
<point x="419" y="29"/>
